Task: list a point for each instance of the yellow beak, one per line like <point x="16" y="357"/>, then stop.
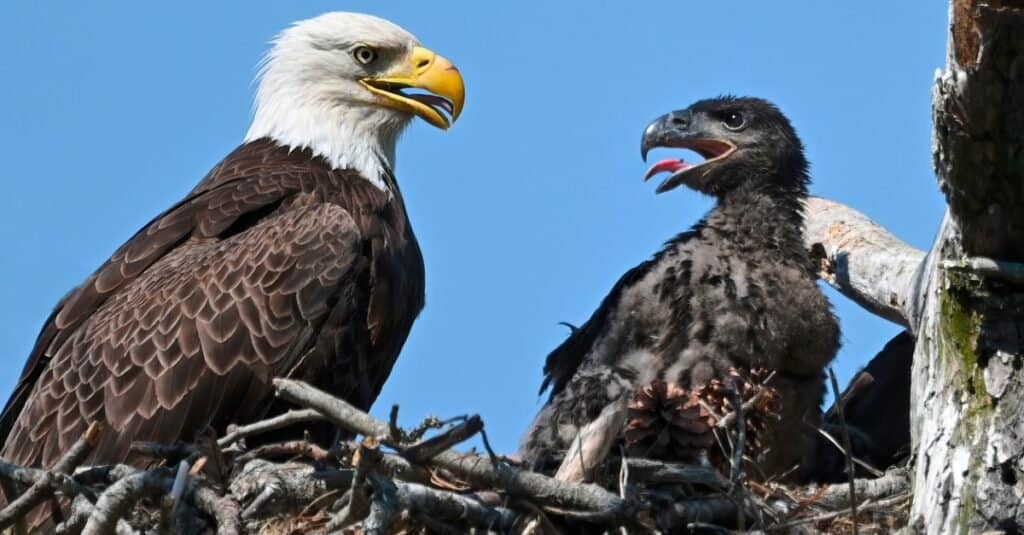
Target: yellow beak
<point x="428" y="71"/>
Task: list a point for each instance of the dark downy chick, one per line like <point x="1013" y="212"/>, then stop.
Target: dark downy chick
<point x="735" y="291"/>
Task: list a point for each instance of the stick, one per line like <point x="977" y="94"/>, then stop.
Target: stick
<point x="44" y="486"/>
<point x="846" y="444"/>
<point x="725" y="421"/>
<point x="592" y="443"/>
<point x="884" y="504"/>
<point x="444" y="505"/>
<point x="428" y="449"/>
<point x="118" y="499"/>
<point x="270" y="424"/>
<point x="365" y="461"/>
<point x="302" y="448"/>
<point x="224" y="510"/>
<point x="656" y="472"/>
<point x="383" y="508"/>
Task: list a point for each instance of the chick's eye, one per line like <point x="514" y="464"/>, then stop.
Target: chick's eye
<point x="364" y="55"/>
<point x="733" y="120"/>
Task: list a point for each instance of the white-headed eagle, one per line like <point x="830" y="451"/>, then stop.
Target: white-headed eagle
<point x="292" y="257"/>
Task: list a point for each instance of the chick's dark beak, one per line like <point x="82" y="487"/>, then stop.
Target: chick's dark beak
<point x="666" y="131"/>
<point x="681" y="129"/>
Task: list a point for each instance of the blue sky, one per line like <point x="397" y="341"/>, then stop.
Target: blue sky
<point x="528" y="210"/>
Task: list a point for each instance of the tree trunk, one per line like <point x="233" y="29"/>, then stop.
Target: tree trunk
<point x="964" y="300"/>
<point x="967" y="401"/>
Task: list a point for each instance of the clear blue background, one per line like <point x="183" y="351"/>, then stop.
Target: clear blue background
<point x="527" y="210"/>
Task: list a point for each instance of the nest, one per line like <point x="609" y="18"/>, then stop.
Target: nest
<point x="398" y="481"/>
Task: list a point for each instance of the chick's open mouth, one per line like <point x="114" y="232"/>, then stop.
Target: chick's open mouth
<point x="711" y="149"/>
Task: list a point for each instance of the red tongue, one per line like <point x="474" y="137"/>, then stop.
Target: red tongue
<point x="670" y="166"/>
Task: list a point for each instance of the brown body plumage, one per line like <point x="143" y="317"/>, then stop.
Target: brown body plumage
<point x="275" y="265"/>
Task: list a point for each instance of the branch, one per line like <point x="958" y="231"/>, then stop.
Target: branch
<point x="222" y="509"/>
<point x="428" y="449"/>
<point x="895" y="482"/>
<point x="862" y="260"/>
<point x="270" y="424"/>
<point x="592" y="444"/>
<point x="119" y="498"/>
<point x="443" y="505"/>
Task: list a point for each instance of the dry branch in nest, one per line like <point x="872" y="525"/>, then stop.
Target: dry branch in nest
<point x="396" y="481"/>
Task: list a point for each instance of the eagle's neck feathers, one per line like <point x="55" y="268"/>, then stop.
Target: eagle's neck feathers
<point x="348" y="135"/>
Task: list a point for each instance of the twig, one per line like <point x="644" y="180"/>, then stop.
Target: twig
<point x="224" y="510"/>
<point x="427" y="449"/>
<point x="270" y="424"/>
<point x="365" y="461"/>
<point x="396" y="432"/>
<point x="736" y="462"/>
<point x="119" y="498"/>
<point x="383" y="508"/>
<point x="871" y="469"/>
<point x="847" y="445"/>
<point x="862" y="380"/>
<point x="894" y="482"/>
<point x="592" y="443"/>
<point x="291" y="448"/>
<point x="444" y="505"/>
<point x="43" y="487"/>
<point x="170" y="452"/>
<point x="736" y="459"/>
<point x="717" y="510"/>
<point x="487" y="447"/>
<point x="748" y="405"/>
<point x="471" y="467"/>
<point x="657" y="472"/>
<point x="882" y="504"/>
<point x="1012" y="272"/>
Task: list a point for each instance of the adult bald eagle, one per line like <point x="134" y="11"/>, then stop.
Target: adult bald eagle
<point x="733" y="291"/>
<point x="292" y="257"/>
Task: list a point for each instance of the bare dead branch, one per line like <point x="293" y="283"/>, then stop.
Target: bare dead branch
<point x="657" y="472"/>
<point x="365" y="460"/>
<point x="222" y="509"/>
<point x="270" y="424"/>
<point x="449" y="506"/>
<point x="427" y="449"/>
<point x="862" y="260"/>
<point x="592" y="444"/>
<point x="880" y="505"/>
<point x="383" y="508"/>
<point x="291" y="448"/>
<point x="119" y="498"/>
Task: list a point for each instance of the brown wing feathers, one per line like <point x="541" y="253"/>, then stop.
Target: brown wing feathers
<point x="187" y="322"/>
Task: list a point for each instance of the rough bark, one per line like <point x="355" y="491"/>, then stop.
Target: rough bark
<point x="967" y="395"/>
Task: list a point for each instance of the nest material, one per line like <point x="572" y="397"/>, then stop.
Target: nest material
<point x="390" y="483"/>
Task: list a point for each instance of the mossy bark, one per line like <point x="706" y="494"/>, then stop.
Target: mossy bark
<point x="968" y="393"/>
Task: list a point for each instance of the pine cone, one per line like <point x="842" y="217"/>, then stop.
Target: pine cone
<point x="667" y="422"/>
<point x="749" y="384"/>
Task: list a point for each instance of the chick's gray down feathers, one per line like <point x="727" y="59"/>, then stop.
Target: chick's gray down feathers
<point x="734" y="291"/>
